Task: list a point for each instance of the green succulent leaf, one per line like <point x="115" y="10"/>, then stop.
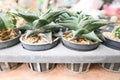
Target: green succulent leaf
<point x="64" y="16"/>
<point x="116" y="32"/>
<point x="2" y="25"/>
<point x="51" y="16"/>
<point x="6" y="21"/>
<point x="92" y="36"/>
<point x="70" y="23"/>
<point x="46" y="13"/>
<point x="26" y="26"/>
<point x="27" y="15"/>
<point x="86" y="23"/>
<point x="39" y="23"/>
<point x="47" y="36"/>
<point x="73" y="13"/>
<point x="69" y="26"/>
<point x="78" y="33"/>
<point x="52" y="27"/>
<point x="99" y="34"/>
<point x="31" y="32"/>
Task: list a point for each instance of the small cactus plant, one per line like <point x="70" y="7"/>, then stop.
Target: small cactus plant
<point x="117" y="32"/>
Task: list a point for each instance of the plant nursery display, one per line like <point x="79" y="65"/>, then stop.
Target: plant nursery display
<point x="41" y="31"/>
<point x="113" y="38"/>
<point x="9" y="35"/>
<point x="82" y="31"/>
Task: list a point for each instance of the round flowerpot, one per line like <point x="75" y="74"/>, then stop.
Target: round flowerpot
<point x="39" y="47"/>
<point x="41" y="67"/>
<point x="11" y="42"/>
<point x="112" y="67"/>
<point x="5" y="66"/>
<point x="111" y="43"/>
<point x="79" y="47"/>
<point x="78" y="67"/>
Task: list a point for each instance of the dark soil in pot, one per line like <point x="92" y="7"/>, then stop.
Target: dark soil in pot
<point x="41" y="67"/>
<point x="5" y="66"/>
<point x="39" y="46"/>
<point x="78" y="67"/>
<point x="9" y="38"/>
<point x="112" y="67"/>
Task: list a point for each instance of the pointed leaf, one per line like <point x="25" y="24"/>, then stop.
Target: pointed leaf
<point x="52" y="27"/>
<point x="47" y="36"/>
<point x="31" y="32"/>
<point x="2" y="25"/>
<point x="99" y="34"/>
<point x="92" y="36"/>
<point x="39" y="23"/>
<point x="26" y="26"/>
<point x="78" y="33"/>
<point x="8" y="23"/>
<point x="52" y="16"/>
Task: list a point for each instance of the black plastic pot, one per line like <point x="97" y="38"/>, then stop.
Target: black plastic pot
<point x="41" y="67"/>
<point x="79" y="47"/>
<point x="110" y="28"/>
<point x="11" y="42"/>
<point x="39" y="47"/>
<point x="78" y="67"/>
<point x="111" y="43"/>
<point x="8" y="66"/>
<point x="112" y="67"/>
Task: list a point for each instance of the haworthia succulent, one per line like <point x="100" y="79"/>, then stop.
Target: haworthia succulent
<point x="5" y="21"/>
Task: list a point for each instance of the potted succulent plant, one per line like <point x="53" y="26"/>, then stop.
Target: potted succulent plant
<point x="41" y="33"/>
<point x="9" y="36"/>
<point x="113" y="38"/>
<point x="40" y="39"/>
<point x="82" y="34"/>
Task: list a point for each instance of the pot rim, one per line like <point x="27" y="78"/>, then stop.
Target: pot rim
<point x="37" y="43"/>
<point x="19" y="34"/>
<point x="112" y="39"/>
<point x="80" y="44"/>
